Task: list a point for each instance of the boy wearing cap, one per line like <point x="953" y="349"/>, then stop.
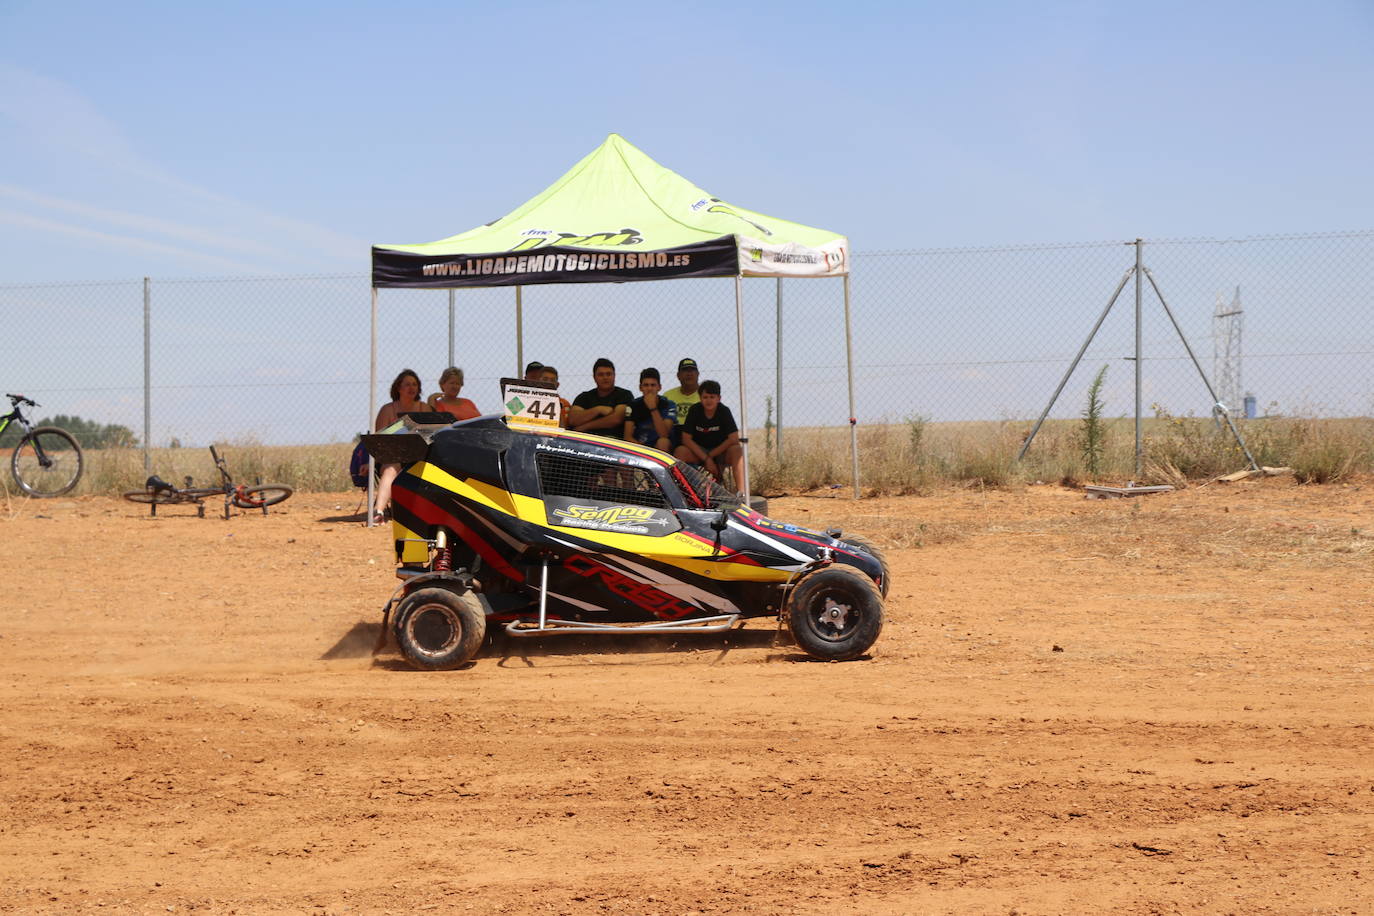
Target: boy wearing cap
<point x="602" y="409"/>
<point x="652" y="417"/>
<point x="686" y="394"/>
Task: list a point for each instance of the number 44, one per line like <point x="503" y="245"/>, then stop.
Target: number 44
<point x="548" y="409"/>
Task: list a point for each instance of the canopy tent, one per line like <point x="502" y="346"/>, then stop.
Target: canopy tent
<point x="616" y="216"/>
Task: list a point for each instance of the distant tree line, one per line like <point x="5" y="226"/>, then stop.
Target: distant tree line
<point x="88" y="432"/>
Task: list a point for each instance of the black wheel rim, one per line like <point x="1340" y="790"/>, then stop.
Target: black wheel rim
<point x="434" y="629"/>
<point x="833" y="614"/>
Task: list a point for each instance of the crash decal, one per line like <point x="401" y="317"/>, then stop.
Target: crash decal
<point x="641" y="594"/>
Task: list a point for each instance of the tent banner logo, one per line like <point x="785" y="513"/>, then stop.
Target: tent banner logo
<point x="717" y="205"/>
<point x="541" y="238"/>
<point x="546" y="263"/>
<point x="761" y="259"/>
<point x="554" y="264"/>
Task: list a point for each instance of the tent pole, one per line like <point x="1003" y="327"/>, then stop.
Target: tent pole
<point x="849" y="371"/>
<point x="372" y="411"/>
<point x="450" y="328"/>
<point x="519" y="334"/>
<point x="743" y="410"/>
<point x="777" y="376"/>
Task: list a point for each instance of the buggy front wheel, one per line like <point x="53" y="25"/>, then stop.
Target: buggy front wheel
<point x="47" y="462"/>
<point x="835" y="613"/>
<point x="439" y="629"/>
<point x="257" y="497"/>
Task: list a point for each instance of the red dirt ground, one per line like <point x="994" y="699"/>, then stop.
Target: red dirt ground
<point x="1154" y="705"/>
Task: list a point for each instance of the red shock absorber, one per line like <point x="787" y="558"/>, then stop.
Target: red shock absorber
<point x="443" y="553"/>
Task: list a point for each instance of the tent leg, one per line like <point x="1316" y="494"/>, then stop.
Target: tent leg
<point x="849" y="371"/>
<point x="372" y="410"/>
<point x="743" y="409"/>
<point x="519" y="334"/>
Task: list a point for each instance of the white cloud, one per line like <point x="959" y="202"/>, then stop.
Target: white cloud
<point x="123" y="241"/>
<point x="50" y="114"/>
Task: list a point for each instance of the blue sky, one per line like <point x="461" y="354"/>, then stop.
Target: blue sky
<point x="174" y="139"/>
<point x="251" y="140"/>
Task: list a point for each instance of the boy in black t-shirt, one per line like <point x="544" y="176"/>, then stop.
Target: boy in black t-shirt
<point x="710" y="437"/>
<point x="602" y="409"/>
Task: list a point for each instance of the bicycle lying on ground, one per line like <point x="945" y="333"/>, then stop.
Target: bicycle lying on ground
<point x="46" y="460"/>
<point x="158" y="492"/>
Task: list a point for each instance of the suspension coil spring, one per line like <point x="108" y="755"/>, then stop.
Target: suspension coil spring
<point x="443" y="553"/>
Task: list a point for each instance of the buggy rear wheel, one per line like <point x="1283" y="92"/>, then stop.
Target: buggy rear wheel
<point x="835" y="613"/>
<point x="439" y="629"/>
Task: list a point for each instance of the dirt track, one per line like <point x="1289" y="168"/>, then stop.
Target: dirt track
<point x="1151" y="705"/>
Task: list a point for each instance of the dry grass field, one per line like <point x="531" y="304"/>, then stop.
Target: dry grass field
<point x="1154" y="705"/>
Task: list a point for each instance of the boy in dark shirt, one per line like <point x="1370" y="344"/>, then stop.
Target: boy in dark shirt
<point x="710" y="437"/>
<point x="602" y="409"/>
<point x="652" y="417"/>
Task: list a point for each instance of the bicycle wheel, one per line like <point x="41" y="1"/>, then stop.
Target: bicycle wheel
<point x="144" y="497"/>
<point x="47" y="462"/>
<point x="269" y="494"/>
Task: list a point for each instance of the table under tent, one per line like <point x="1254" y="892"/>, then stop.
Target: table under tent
<point x="619" y="216"/>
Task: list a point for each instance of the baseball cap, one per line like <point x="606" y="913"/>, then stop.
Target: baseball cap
<point x="534" y="367"/>
<point x="686" y="364"/>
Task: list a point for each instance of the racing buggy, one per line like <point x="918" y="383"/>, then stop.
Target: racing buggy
<point x="545" y="531"/>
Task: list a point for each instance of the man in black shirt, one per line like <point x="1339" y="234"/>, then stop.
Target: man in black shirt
<point x="602" y="409"/>
<point x="710" y="436"/>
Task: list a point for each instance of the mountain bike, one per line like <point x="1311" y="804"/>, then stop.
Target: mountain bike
<point x="158" y="492"/>
<point x="47" y="460"/>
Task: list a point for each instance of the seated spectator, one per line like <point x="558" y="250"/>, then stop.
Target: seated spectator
<point x="686" y="394"/>
<point x="710" y="437"/>
<point x="652" y="417"/>
<point x="532" y="371"/>
<point x="405" y="398"/>
<point x="450" y="383"/>
<point x="549" y="375"/>
<point x="602" y="409"/>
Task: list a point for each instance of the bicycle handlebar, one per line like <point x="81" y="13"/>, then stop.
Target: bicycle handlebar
<point x="20" y="399"/>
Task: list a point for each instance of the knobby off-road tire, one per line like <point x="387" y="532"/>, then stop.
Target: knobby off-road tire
<point x="835" y="613"/>
<point x="439" y="629"/>
<point x="878" y="554"/>
<point x="63" y="454"/>
<point x="269" y="494"/>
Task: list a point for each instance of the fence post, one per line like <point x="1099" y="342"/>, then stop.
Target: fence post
<point x="777" y="377"/>
<point x="147" y="376"/>
<point x="450" y="328"/>
<point x="1138" y="244"/>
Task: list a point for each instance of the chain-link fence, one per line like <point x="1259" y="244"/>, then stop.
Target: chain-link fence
<point x="945" y="334"/>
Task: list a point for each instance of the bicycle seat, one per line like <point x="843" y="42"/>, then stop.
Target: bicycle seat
<point x="158" y="485"/>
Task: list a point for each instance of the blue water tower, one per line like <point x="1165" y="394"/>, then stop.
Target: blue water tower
<point x="1250" y="411"/>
